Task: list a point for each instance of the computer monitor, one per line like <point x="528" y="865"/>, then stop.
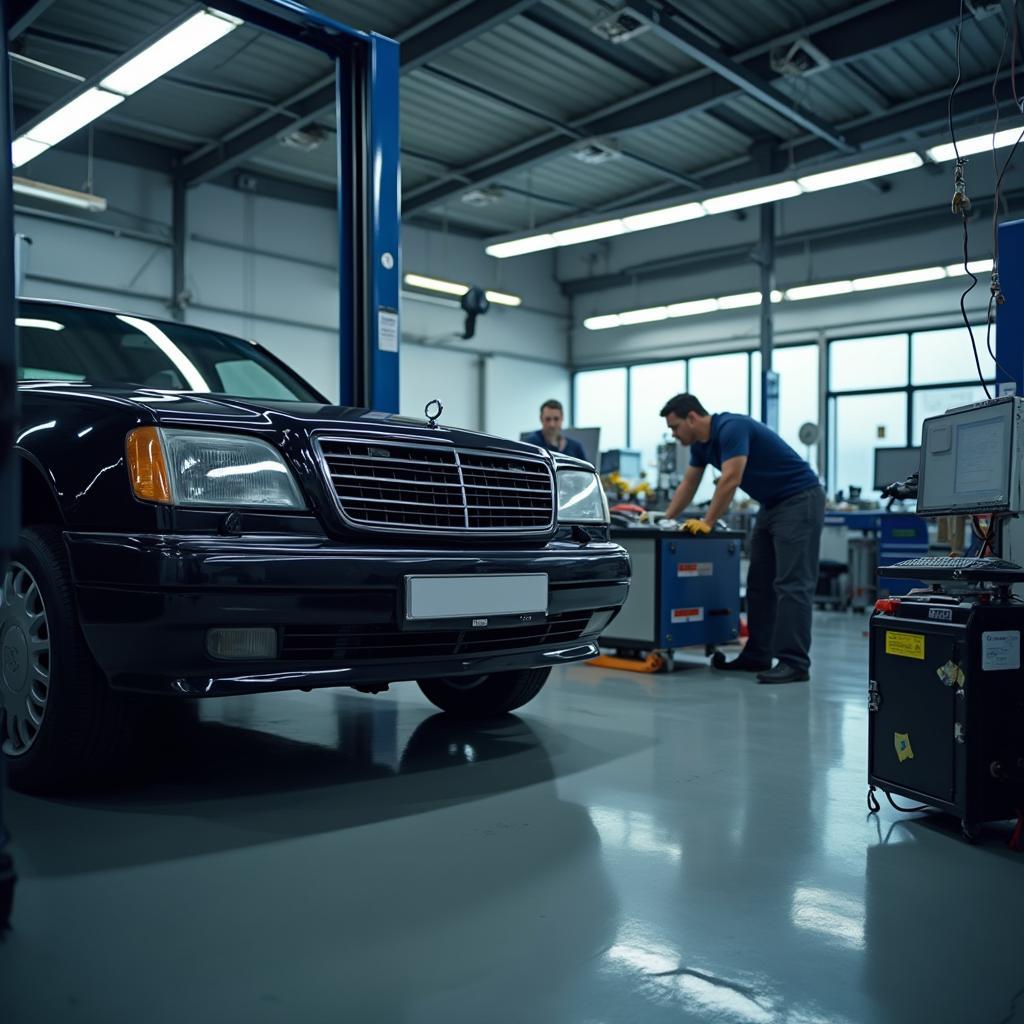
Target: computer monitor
<point x="588" y="437"/>
<point x="627" y="462"/>
<point x="892" y="464"/>
<point x="970" y="459"/>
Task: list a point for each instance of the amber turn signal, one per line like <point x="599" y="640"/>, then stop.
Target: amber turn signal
<point x="147" y="466"/>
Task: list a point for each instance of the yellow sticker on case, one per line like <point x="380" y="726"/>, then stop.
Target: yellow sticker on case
<point x="903" y="750"/>
<point x="905" y="645"/>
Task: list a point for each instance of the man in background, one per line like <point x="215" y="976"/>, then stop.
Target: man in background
<point x="550" y="435"/>
<point x="784" y="546"/>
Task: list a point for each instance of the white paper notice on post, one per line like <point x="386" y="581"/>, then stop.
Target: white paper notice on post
<point x="1000" y="650"/>
<point x="387" y="330"/>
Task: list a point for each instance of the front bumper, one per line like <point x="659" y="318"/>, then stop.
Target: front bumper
<point x="146" y="602"/>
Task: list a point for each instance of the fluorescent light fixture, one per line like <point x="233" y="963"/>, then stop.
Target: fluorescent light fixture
<point x="25" y="149"/>
<point x="170" y="50"/>
<point x="189" y="38"/>
<point x="976" y="144"/>
<point x="694" y="308"/>
<point x="74" y="115"/>
<point x="43" y="325"/>
<point x="503" y="298"/>
<point x="863" y="284"/>
<point x="818" y="291"/>
<point x="740" y="301"/>
<point x="752" y="197"/>
<point x="588" y="232"/>
<point x="169" y="349"/>
<point x="975" y="266"/>
<point x="643" y="316"/>
<point x="661" y="218"/>
<point x="860" y="172"/>
<point x="435" y="284"/>
<point x="521" y="246"/>
<point x="602" y="323"/>
<point x="56" y="194"/>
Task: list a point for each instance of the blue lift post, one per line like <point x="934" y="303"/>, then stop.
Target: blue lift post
<point x="369" y="264"/>
<point x="1010" y="315"/>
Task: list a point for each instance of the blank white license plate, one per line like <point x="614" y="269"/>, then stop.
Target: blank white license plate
<point x="461" y="597"/>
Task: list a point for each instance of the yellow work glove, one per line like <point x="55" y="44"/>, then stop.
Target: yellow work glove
<point x="696" y="526"/>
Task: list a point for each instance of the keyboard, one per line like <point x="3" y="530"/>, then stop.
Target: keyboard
<point x="952" y="564"/>
<point x="978" y="570"/>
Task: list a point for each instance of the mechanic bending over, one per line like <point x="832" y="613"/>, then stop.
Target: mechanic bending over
<point x="784" y="546"/>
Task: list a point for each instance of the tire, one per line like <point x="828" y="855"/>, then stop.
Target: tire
<point x="63" y="720"/>
<point x="485" y="696"/>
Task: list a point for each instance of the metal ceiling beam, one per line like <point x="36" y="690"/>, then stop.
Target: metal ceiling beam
<point x="670" y="28"/>
<point x="868" y="28"/>
<point x="456" y="25"/>
<point x="19" y="15"/>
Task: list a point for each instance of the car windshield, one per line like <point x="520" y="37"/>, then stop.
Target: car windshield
<point x="67" y="343"/>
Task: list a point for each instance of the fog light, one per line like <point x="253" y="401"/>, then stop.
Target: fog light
<point x="242" y="644"/>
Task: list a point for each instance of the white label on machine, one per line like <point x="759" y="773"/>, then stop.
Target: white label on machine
<point x="458" y="597"/>
<point x="684" y="569"/>
<point x="1000" y="650"/>
<point x="687" y="615"/>
<point x="387" y="330"/>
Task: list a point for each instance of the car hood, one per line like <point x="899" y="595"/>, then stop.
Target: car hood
<point x="225" y="412"/>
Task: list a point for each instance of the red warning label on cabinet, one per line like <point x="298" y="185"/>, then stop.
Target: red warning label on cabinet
<point x="695" y="569"/>
<point x="687" y="615"/>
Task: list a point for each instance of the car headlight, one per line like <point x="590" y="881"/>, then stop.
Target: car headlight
<point x="581" y="497"/>
<point x="187" y="467"/>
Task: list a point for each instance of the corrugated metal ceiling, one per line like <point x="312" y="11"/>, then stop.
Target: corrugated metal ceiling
<point x="533" y="78"/>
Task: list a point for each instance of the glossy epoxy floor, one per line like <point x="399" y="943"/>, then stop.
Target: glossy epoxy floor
<point x="630" y="848"/>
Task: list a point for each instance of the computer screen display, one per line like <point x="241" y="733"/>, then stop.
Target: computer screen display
<point x="966" y="459"/>
<point x="892" y="464"/>
<point x="627" y="462"/>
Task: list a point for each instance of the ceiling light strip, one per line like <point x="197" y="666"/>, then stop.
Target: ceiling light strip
<point x="747" y="198"/>
<point x="798" y="293"/>
<point x="457" y="288"/>
<point x="174" y="47"/>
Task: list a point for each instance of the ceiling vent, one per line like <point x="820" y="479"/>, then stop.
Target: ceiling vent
<point x="595" y="152"/>
<point x="801" y="57"/>
<point x="487" y="196"/>
<point x="621" y="25"/>
<point x="307" y="139"/>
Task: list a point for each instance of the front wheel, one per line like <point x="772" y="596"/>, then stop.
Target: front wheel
<point x="62" y="719"/>
<point x="485" y="696"/>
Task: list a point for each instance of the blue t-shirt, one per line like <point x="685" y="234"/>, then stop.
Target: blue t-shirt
<point x="573" y="448"/>
<point x="773" y="472"/>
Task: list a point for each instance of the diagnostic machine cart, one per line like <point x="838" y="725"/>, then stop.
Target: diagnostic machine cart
<point x="946" y="690"/>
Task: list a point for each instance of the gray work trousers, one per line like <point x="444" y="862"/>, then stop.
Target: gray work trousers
<point x="783" y="577"/>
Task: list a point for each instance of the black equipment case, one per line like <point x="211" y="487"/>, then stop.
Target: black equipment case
<point x="946" y="703"/>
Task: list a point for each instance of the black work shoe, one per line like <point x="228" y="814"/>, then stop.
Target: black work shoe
<point x="783" y="673"/>
<point x="743" y="662"/>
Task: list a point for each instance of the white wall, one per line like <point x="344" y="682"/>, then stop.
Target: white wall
<point x="265" y="269"/>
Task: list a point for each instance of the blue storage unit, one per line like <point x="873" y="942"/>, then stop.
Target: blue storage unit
<point x="685" y="590"/>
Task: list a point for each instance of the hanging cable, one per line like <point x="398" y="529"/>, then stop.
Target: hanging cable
<point x="961" y="205"/>
<point x="905" y="810"/>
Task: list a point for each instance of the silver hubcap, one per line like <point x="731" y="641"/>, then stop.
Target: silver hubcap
<point x="24" y="658"/>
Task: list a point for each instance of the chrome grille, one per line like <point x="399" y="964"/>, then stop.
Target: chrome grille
<point x="385" y="486"/>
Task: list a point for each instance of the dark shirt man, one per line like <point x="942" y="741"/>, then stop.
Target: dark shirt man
<point x="550" y="435"/>
<point x="784" y="546"/>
